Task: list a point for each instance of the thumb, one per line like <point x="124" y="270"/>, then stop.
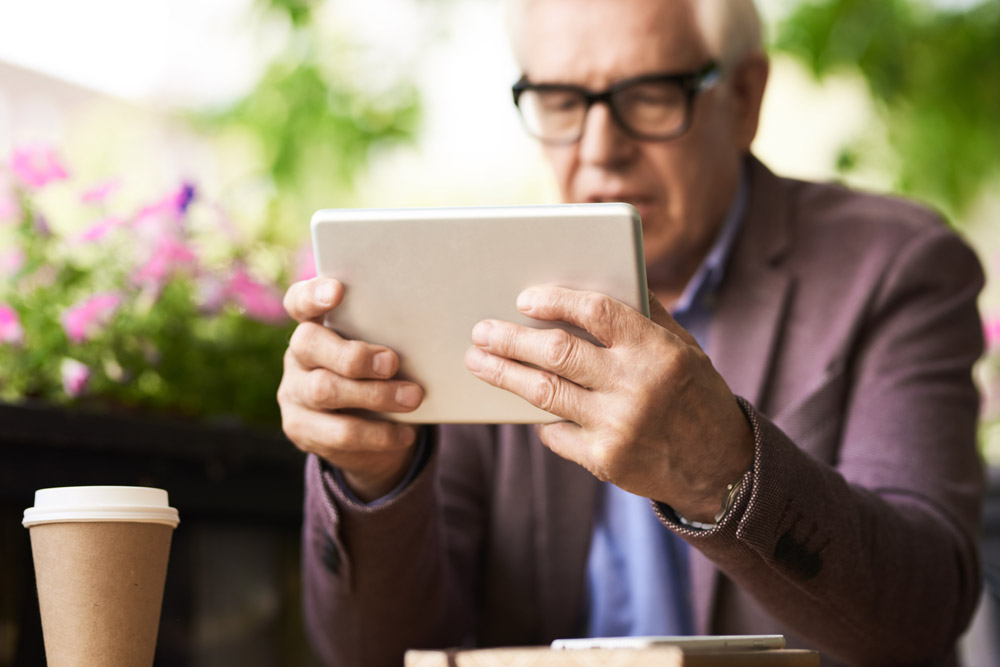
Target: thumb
<point x="659" y="315"/>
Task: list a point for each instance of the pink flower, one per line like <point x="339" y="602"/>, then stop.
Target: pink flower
<point x="261" y="302"/>
<point x="11" y="331"/>
<point x="99" y="193"/>
<point x="84" y="319"/>
<point x="36" y="166"/>
<point x="169" y="256"/>
<point x="991" y="331"/>
<point x="75" y="376"/>
<point x="174" y="205"/>
<point x="11" y="262"/>
<point x="100" y="229"/>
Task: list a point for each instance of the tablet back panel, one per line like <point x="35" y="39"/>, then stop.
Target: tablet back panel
<point x="418" y="280"/>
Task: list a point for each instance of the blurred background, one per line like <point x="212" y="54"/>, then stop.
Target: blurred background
<point x="159" y="162"/>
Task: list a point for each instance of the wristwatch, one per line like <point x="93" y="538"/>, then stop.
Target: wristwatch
<point x="732" y="490"/>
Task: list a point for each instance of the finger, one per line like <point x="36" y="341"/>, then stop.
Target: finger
<point x="570" y="442"/>
<point x="541" y="388"/>
<point x="337" y="436"/>
<point x="608" y="320"/>
<point x="322" y="390"/>
<point x="564" y="439"/>
<point x="659" y="315"/>
<point x="311" y="299"/>
<point x="555" y="350"/>
<point x="315" y="346"/>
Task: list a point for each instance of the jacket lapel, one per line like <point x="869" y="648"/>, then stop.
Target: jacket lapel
<point x="747" y="327"/>
<point x="754" y="295"/>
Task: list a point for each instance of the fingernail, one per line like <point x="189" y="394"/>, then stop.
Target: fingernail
<point x="408" y="396"/>
<point x="481" y="334"/>
<point x="474" y="359"/>
<point x="382" y="364"/>
<point x="324" y="294"/>
<point x="527" y="299"/>
<point x="407" y="435"/>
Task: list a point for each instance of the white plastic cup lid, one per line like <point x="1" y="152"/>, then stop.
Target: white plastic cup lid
<point x="101" y="503"/>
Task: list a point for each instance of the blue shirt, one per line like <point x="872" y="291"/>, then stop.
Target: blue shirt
<point x="637" y="569"/>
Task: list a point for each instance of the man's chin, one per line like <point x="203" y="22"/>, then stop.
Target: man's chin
<point x="662" y="260"/>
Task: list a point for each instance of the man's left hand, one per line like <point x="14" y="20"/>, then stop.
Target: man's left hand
<point x="647" y="412"/>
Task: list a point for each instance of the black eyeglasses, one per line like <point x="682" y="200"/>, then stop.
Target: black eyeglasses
<point x="651" y="107"/>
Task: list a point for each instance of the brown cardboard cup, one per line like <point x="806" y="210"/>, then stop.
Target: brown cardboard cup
<point x="100" y="557"/>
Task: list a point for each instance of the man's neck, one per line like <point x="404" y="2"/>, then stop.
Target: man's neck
<point x="668" y="279"/>
<point x="668" y="298"/>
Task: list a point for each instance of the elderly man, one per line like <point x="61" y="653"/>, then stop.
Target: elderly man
<point x="790" y="450"/>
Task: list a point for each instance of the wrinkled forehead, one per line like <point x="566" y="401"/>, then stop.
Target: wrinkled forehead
<point x="597" y="42"/>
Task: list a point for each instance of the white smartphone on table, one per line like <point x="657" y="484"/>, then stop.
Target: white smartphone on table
<point x="417" y="281"/>
<point x="686" y="643"/>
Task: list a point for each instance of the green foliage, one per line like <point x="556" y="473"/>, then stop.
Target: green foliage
<point x="935" y="75"/>
<point x="307" y="123"/>
<point x="300" y="12"/>
<point x="314" y="120"/>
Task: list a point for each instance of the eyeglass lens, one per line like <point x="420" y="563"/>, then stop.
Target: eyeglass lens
<point x="655" y="109"/>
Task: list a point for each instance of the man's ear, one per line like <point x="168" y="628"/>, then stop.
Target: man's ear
<point x="748" y="79"/>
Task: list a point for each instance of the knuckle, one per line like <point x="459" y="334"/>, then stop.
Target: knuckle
<point x="283" y="394"/>
<point x="600" y="463"/>
<point x="387" y="437"/>
<point x="543" y="391"/>
<point x="319" y="389"/>
<point x="493" y="370"/>
<point x="345" y="431"/>
<point x="289" y="389"/>
<point x="289" y="359"/>
<point x="671" y="359"/>
<point x="303" y="338"/>
<point x="379" y="395"/>
<point x="499" y="371"/>
<point x="289" y="299"/>
<point x="560" y="351"/>
<point x="294" y="429"/>
<point x="364" y="434"/>
<point x="597" y="308"/>
<point x="353" y="359"/>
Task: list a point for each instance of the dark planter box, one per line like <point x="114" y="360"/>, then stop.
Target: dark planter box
<point x="232" y="594"/>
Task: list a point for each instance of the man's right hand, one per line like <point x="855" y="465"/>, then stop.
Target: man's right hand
<point x="326" y="375"/>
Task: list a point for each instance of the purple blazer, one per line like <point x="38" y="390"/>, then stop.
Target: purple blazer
<point x="848" y="322"/>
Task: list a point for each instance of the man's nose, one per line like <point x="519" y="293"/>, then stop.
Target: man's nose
<point x="603" y="142"/>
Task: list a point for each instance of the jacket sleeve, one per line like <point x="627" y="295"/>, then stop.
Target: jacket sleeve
<point x="873" y="555"/>
<point x="380" y="580"/>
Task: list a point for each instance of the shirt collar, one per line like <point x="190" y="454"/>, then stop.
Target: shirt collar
<point x="712" y="268"/>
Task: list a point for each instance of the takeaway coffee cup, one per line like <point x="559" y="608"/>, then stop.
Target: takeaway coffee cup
<point x="100" y="556"/>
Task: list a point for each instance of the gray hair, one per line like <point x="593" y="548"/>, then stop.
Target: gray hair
<point x="731" y="28"/>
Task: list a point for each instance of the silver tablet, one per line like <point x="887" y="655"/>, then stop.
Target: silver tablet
<point x="418" y="280"/>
